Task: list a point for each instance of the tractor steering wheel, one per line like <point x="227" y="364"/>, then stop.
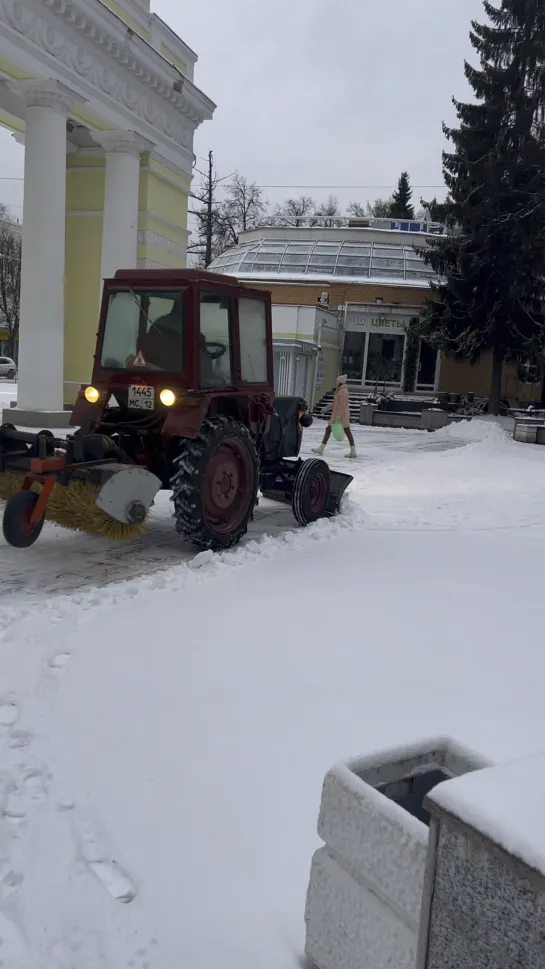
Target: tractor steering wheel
<point x="218" y="351"/>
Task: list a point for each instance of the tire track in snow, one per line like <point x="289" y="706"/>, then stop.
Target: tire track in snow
<point x="21" y="623"/>
<point x="25" y="789"/>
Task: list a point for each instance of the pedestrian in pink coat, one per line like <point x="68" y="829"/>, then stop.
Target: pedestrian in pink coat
<point x="340" y="411"/>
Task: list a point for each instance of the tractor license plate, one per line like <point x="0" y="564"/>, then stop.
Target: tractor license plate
<point x="141" y="397"/>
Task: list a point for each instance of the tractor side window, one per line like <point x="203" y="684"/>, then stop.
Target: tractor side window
<point x="252" y="324"/>
<point x="214" y="342"/>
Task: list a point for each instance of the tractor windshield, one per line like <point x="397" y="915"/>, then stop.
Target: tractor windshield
<point x="144" y="330"/>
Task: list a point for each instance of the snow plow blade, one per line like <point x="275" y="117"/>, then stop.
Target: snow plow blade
<point x="339" y="484"/>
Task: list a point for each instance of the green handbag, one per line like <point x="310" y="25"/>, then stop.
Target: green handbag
<point x="337" y="430"/>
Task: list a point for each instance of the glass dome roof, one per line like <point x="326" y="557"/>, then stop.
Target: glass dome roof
<point x="359" y="260"/>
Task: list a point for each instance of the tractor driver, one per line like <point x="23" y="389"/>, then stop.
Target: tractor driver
<point x="162" y="347"/>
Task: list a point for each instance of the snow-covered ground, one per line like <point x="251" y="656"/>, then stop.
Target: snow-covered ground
<point x="163" y="738"/>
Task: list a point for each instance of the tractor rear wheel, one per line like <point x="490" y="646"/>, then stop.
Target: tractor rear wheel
<point x="18" y="529"/>
<point x="215" y="484"/>
<point x="311" y="491"/>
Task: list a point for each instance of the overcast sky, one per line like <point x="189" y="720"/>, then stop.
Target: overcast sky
<point x="318" y="92"/>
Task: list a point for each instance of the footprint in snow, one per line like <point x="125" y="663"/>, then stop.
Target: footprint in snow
<point x="76" y="952"/>
<point x="51" y="677"/>
<point x="14" y="952"/>
<point x="114" y="879"/>
<point x="60" y="661"/>
<point x="19" y="739"/>
<point x="9" y="713"/>
<point x="36" y="784"/>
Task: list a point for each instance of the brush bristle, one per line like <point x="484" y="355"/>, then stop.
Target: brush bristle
<point x="74" y="506"/>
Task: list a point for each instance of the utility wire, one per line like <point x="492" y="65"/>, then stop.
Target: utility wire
<point x="17" y="178"/>
<point x="355" y="187"/>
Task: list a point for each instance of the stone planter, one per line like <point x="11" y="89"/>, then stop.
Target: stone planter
<point x="526" y="432"/>
<point x="365" y="890"/>
<point x="430" y="419"/>
<point x="484" y="890"/>
<point x="434" y="420"/>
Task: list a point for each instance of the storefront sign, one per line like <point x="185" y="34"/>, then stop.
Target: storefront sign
<point x="388" y="323"/>
<point x="363" y="321"/>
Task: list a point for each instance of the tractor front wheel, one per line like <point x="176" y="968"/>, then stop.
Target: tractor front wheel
<point x="311" y="491"/>
<point x="17" y="526"/>
<point x="215" y="484"/>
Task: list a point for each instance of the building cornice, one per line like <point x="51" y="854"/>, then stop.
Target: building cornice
<point x="95" y="51"/>
<point x="109" y="33"/>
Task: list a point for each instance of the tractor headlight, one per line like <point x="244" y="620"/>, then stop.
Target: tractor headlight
<point x="92" y="394"/>
<point x="167" y="397"/>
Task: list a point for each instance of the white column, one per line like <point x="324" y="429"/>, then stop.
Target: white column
<point x="120" y="217"/>
<point x="41" y="332"/>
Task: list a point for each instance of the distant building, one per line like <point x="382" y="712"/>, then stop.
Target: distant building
<point x="343" y="298"/>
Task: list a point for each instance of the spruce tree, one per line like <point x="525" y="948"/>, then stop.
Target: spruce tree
<point x="492" y="260"/>
<point x="401" y="206"/>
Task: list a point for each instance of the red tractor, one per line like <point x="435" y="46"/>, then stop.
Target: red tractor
<point x="181" y="399"/>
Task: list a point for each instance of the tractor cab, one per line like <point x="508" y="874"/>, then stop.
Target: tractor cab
<point x="167" y="334"/>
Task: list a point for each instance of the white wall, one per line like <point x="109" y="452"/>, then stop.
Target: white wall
<point x="305" y="323"/>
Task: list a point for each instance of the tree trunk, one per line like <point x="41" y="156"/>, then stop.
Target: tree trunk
<point x="209" y="212"/>
<point x="495" y="387"/>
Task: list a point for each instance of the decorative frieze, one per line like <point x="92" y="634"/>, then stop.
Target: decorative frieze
<point x="112" y="59"/>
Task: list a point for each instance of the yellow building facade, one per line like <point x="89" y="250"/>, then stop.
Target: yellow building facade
<point x="102" y="96"/>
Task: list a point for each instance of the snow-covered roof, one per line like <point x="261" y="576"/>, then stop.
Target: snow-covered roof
<point x="350" y="261"/>
<point x="504" y="803"/>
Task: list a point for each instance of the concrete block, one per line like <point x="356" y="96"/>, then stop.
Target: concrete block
<point x="35" y="418"/>
<point x="359" y="924"/>
<point x="433" y="420"/>
<point x="366" y="884"/>
<point x="525" y="433"/>
<point x="367" y="413"/>
<point x="402" y="419"/>
<point x="484" y="896"/>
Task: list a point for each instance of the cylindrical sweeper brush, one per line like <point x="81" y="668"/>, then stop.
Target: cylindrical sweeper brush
<point x="74" y="506"/>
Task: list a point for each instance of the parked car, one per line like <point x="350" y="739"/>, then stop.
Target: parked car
<point x="8" y="368"/>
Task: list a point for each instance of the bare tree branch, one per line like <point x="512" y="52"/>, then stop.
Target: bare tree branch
<point x="295" y="212"/>
<point x="10" y="281"/>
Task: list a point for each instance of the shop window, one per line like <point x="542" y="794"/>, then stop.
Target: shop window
<point x="385" y="359"/>
<point x="353" y="355"/>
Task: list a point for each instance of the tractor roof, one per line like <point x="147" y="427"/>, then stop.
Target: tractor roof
<point x="174" y="277"/>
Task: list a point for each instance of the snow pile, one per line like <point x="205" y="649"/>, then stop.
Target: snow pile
<point x="475" y="431"/>
<point x="163" y="741"/>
